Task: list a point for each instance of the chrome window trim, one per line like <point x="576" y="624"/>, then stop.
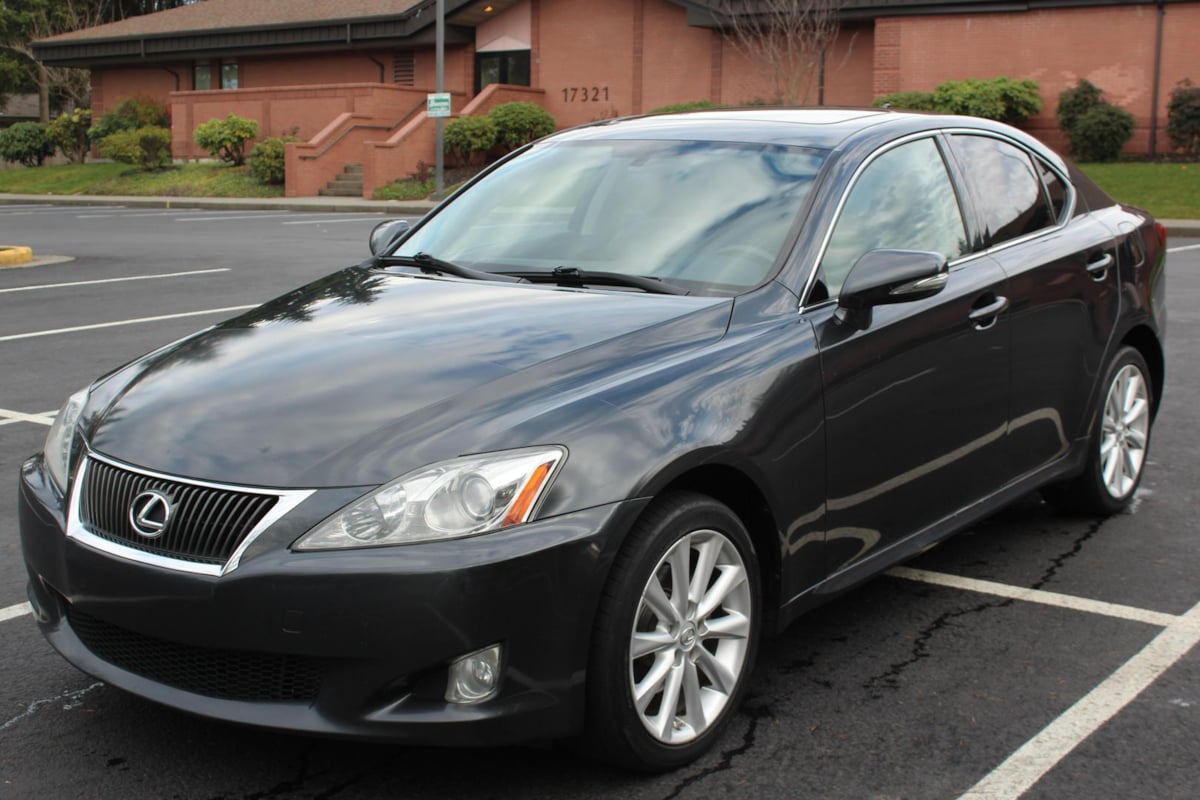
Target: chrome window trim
<point x="287" y="499"/>
<point x="1064" y="219"/>
<point x="837" y="212"/>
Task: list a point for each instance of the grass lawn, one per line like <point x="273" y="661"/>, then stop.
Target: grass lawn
<point x="181" y="180"/>
<point x="1168" y="191"/>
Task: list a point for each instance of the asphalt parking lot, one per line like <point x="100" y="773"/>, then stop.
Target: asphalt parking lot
<point x="1036" y="656"/>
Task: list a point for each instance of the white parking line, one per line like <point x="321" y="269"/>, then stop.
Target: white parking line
<point x="263" y="215"/>
<point x="115" y="280"/>
<point x="141" y="214"/>
<point x="1035" y="596"/>
<point x="8" y="417"/>
<point x="1020" y="771"/>
<point x="331" y="221"/>
<point x="1184" y="247"/>
<point x="12" y="612"/>
<point x="34" y="334"/>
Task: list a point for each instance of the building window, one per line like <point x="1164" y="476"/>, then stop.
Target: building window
<point x="404" y="68"/>
<point x="229" y="75"/>
<point x="202" y="76"/>
<point x="508" y="66"/>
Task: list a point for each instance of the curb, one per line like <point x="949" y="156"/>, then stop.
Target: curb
<point x="13" y="255"/>
<point x="1181" y="227"/>
<point x="318" y="204"/>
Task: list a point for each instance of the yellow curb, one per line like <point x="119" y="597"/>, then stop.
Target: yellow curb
<point x="11" y="255"/>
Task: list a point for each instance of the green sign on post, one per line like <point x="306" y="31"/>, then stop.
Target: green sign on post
<point x="437" y="105"/>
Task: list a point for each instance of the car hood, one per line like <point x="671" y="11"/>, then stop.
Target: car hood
<point x="328" y="385"/>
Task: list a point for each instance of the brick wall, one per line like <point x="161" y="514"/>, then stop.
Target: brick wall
<point x="1113" y="47"/>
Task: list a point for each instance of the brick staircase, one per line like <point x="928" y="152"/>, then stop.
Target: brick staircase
<point x="348" y="184"/>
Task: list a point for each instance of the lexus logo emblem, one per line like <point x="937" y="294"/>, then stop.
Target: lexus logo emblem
<point x="149" y="514"/>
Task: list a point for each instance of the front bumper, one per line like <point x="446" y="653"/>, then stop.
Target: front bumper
<point x="353" y="642"/>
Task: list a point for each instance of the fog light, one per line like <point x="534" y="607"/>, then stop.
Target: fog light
<point x="475" y="677"/>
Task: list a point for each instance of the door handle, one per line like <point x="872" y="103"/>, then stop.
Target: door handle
<point x="1099" y="267"/>
<point x="984" y="317"/>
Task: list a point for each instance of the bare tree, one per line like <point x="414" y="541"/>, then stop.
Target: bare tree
<point x="70" y="87"/>
<point x="785" y="40"/>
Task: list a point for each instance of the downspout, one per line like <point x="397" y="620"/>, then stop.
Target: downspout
<point x="821" y="79"/>
<point x="380" y="64"/>
<point x="175" y="74"/>
<point x="1158" y="36"/>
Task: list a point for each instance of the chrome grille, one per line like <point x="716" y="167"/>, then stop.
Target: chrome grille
<point x="206" y="526"/>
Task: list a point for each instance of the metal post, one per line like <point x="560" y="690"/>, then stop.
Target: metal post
<point x="439" y="168"/>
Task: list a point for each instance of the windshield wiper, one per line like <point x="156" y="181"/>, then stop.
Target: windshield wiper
<point x="573" y="276"/>
<point x="429" y="264"/>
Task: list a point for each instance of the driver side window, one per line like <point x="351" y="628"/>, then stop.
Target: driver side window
<point x="903" y="200"/>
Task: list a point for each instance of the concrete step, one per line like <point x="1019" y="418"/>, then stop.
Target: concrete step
<point x="340" y="191"/>
<point x="353" y="169"/>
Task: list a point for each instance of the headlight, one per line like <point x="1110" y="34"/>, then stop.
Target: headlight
<point x="463" y="497"/>
<point x="62" y="436"/>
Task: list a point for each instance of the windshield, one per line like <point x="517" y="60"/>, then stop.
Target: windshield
<point x="711" y="217"/>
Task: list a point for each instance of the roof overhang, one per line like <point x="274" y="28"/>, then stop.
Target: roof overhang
<point x="716" y="13"/>
<point x="412" y="27"/>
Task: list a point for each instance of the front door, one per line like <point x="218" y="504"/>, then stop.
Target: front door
<point x="916" y="401"/>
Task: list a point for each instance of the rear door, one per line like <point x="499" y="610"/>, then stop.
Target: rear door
<point x="1062" y="279"/>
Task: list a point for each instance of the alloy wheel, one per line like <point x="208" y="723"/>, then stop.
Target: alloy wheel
<point x="1125" y="431"/>
<point x="690" y="637"/>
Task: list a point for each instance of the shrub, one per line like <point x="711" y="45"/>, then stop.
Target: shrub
<point x="131" y="113"/>
<point x="268" y="157"/>
<point x="1001" y="99"/>
<point x="226" y="138"/>
<point x="469" y="138"/>
<point x="1021" y="99"/>
<point x="1183" y="118"/>
<point x="26" y="143"/>
<point x="695" y="105"/>
<point x="70" y="134"/>
<point x="1099" y="134"/>
<point x="520" y="123"/>
<point x="907" y="101"/>
<point x="1074" y="103"/>
<point x="146" y="148"/>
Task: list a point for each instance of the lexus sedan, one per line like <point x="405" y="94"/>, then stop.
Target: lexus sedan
<point x="553" y="460"/>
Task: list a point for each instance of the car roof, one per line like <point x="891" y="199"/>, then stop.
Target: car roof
<point x="823" y="128"/>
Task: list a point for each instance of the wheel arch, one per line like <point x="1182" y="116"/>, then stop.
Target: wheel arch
<point x="734" y="488"/>
<point x="1143" y="339"/>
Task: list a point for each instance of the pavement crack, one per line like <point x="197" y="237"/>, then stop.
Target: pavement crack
<point x="70" y="700"/>
<point x="1076" y="547"/>
<point x="755" y="713"/>
<point x="890" y="678"/>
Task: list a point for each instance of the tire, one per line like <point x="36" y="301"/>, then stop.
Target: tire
<point x="1119" y="442"/>
<point x="648" y="647"/>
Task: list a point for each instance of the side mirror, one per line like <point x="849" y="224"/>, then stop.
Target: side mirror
<point x="386" y="234"/>
<point x="882" y="277"/>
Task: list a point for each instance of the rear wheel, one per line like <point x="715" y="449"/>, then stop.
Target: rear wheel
<point x="676" y="635"/>
<point x="1119" y="442"/>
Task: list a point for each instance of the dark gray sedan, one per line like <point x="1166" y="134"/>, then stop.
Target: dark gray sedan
<point x="553" y="460"/>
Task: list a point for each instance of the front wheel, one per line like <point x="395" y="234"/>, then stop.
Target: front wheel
<point x="676" y="635"/>
<point x="1119" y="442"/>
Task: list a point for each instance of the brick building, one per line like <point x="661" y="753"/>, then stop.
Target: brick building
<point x="350" y="77"/>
